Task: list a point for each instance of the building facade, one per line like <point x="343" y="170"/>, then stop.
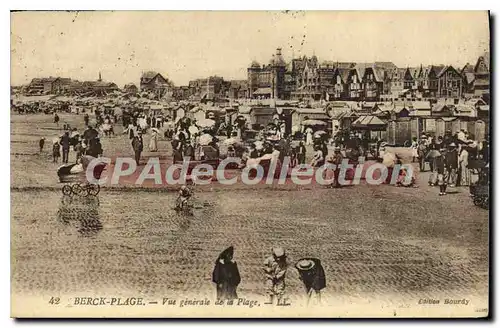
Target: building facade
<point x="482" y="76"/>
<point x="50" y="85"/>
<point x="267" y="81"/>
<point x="450" y="83"/>
<point x="213" y="87"/>
<point x="155" y="82"/>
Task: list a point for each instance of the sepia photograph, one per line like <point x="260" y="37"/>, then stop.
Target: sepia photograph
<point x="250" y="164"/>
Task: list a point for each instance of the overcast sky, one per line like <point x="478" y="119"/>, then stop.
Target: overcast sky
<point x="188" y="45"/>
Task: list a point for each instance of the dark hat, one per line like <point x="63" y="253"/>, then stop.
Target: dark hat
<point x="228" y="252"/>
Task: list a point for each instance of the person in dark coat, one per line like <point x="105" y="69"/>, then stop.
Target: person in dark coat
<point x="301" y="154"/>
<point x="137" y="145"/>
<point x="65" y="143"/>
<point x="56" y="152"/>
<point x="312" y="274"/>
<point x="94" y="148"/>
<point x="253" y="152"/>
<point x="226" y="275"/>
<point x="189" y="150"/>
<point x="442" y="171"/>
<point x="177" y="150"/>
<point x="56" y="119"/>
<point x="41" y="143"/>
<point x="451" y="162"/>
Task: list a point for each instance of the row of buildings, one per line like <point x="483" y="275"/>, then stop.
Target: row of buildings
<point x="308" y="78"/>
<point x="305" y="78"/>
<point x="61" y="85"/>
<point x="151" y="82"/>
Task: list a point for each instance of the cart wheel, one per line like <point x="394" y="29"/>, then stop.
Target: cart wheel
<point x="93" y="189"/>
<point x="66" y="190"/>
<point x="477" y="201"/>
<point x="77" y="189"/>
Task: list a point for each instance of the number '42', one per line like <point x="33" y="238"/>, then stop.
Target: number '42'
<point x="54" y="300"/>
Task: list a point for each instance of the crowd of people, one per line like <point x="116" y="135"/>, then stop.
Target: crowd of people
<point x="452" y="158"/>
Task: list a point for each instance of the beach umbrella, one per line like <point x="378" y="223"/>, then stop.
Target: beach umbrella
<point x="205" y="123"/>
<point x="319" y="133"/>
<point x="433" y="154"/>
<point x="205" y="139"/>
<point x="230" y="141"/>
<point x="313" y="122"/>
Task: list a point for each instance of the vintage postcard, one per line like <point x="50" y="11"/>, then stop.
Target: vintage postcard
<point x="250" y="164"/>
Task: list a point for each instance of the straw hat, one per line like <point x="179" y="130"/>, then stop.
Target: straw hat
<point x="304" y="265"/>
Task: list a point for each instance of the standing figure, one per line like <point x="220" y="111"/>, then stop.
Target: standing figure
<point x="177" y="149"/>
<point x="301" y="154"/>
<point x="153" y="142"/>
<point x="463" y="172"/>
<point x="312" y="274"/>
<point x="414" y="150"/>
<point x="65" y="143"/>
<point x="137" y="145"/>
<point x="188" y="150"/>
<point x="336" y="159"/>
<point x="79" y="150"/>
<point x="56" y="151"/>
<point x="309" y="136"/>
<point x="86" y="119"/>
<point x="421" y="152"/>
<point x="451" y="162"/>
<point x="226" y="275"/>
<point x="56" y="119"/>
<point x="442" y="172"/>
<point x="41" y="143"/>
<point x="275" y="267"/>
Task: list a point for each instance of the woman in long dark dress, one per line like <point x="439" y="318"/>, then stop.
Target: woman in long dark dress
<point x="226" y="275"/>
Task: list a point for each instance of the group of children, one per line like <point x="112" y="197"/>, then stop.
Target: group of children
<point x="226" y="276"/>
